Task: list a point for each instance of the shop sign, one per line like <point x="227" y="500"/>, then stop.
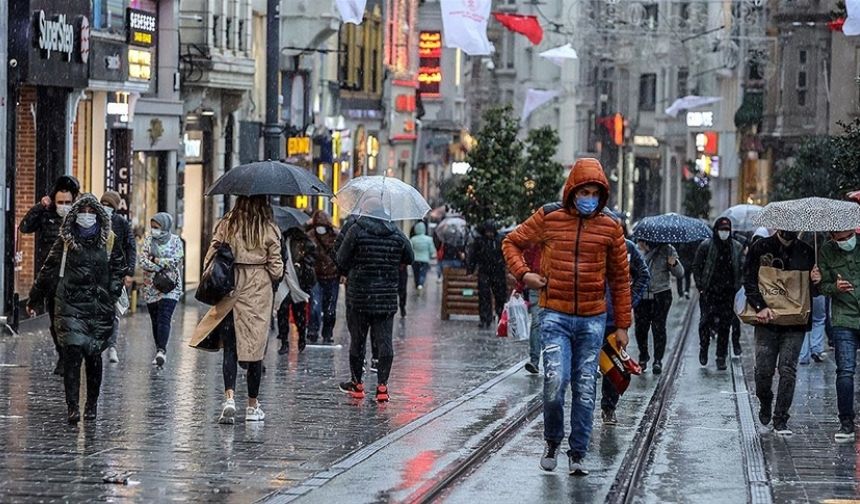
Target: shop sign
<point x="139" y="64"/>
<point x="700" y="119"/>
<point x="430" y="63"/>
<point x="55" y="35"/>
<point x="118" y="166"/>
<point x="645" y="141"/>
<point x="142" y="27"/>
<point x="708" y="143"/>
<point x="108" y="61"/>
<point x="298" y="146"/>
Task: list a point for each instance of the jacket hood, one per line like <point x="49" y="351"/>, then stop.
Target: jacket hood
<point x="488" y="227"/>
<point x="376" y="227"/>
<point x="320" y="218"/>
<point x="67" y="230"/>
<point x="722" y="222"/>
<point x="586" y="171"/>
<point x="420" y="229"/>
<point x="65" y="183"/>
<point x="165" y="220"/>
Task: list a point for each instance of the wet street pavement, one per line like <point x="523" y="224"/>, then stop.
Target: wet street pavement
<point x="454" y="390"/>
<point x="159" y="425"/>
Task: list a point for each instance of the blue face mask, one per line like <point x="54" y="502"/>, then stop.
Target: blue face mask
<point x="586" y="205"/>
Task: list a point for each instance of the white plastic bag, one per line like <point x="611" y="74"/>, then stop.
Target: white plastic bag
<point x="518" y="317"/>
<point x="740" y="301"/>
<point x="122" y="304"/>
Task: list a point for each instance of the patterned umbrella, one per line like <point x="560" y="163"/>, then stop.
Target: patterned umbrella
<point x="810" y="214"/>
<point x="742" y="217"/>
<point x="671" y="228"/>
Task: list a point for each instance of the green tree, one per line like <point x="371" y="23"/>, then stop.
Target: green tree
<point x="541" y="177"/>
<point x="823" y="166"/>
<point x="491" y="188"/>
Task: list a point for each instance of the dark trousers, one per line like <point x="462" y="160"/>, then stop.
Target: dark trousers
<point x="231" y="360"/>
<point x="609" y="398"/>
<point x="846" y="341"/>
<point x="73" y="356"/>
<point x="492" y="287"/>
<point x="716" y="315"/>
<point x="161" y="314"/>
<point x="381" y="327"/>
<point x="684" y="281"/>
<point x="49" y="306"/>
<point x="776" y="350"/>
<point x="324" y="309"/>
<point x="300" y="311"/>
<point x="419" y="271"/>
<point x="651" y="316"/>
<point x="403" y="280"/>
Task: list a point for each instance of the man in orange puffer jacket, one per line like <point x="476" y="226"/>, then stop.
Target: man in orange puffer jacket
<point x="582" y="250"/>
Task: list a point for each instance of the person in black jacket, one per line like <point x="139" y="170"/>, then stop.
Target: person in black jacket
<point x="299" y="255"/>
<point x="371" y="254"/>
<point x="44" y="219"/>
<point x="121" y="227"/>
<point x="776" y="345"/>
<point x="84" y="272"/>
<point x="486" y="257"/>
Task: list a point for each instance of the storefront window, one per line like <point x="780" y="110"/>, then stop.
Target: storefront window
<point x="109" y="15"/>
<point x="144" y="197"/>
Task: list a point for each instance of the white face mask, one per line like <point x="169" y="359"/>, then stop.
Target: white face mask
<point x="63" y="210"/>
<point x="157" y="233"/>
<point x="109" y="211"/>
<point x="86" y="220"/>
<point x="321" y="230"/>
<point x="724" y="235"/>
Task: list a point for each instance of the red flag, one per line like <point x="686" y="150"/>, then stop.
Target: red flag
<point x="836" y="24"/>
<point x="525" y="25"/>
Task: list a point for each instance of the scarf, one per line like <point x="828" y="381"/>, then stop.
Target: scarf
<point x="165" y="220"/>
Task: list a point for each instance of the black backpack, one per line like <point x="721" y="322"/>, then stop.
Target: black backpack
<point x="217" y="281"/>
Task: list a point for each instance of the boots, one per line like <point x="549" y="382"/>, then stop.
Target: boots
<point x="91" y="410"/>
<point x="74" y="414"/>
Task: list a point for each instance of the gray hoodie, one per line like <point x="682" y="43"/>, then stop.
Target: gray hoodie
<point x="658" y="264"/>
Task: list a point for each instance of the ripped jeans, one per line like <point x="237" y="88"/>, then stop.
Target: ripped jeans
<point x="571" y="345"/>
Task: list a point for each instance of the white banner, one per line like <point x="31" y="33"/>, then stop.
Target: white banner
<point x="534" y="99"/>
<point x="464" y="23"/>
<point x="852" y="21"/>
<point x="351" y="11"/>
<point x="558" y="55"/>
<point x="689" y="102"/>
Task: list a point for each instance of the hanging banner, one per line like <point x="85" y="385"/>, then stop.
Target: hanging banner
<point x="534" y="99"/>
<point x="351" y="11"/>
<point x="851" y="26"/>
<point x="524" y="25"/>
<point x="464" y="23"/>
<point x="559" y="55"/>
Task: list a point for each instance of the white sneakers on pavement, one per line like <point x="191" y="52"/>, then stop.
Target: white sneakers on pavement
<point x="254" y="414"/>
<point x="160" y="359"/>
<point x="228" y="412"/>
<point x="112" y="356"/>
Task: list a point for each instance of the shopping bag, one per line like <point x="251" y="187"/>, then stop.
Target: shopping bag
<point x="617" y="365"/>
<point x="518" y="317"/>
<point x="122" y="304"/>
<point x="740" y="301"/>
<point x="786" y="293"/>
<point x="502" y="328"/>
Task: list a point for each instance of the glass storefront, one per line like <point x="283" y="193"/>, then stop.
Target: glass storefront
<point x="146" y="198"/>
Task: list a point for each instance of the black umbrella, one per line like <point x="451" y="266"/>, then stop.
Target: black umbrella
<point x="671" y="228"/>
<point x="269" y="178"/>
<point x="289" y="217"/>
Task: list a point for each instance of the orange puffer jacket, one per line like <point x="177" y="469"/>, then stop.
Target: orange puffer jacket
<point x="579" y="255"/>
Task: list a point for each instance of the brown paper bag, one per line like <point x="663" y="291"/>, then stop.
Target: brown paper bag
<point x="786" y="293"/>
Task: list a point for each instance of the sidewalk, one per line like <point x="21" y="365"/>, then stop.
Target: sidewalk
<point x="160" y="426"/>
<point x="808" y="466"/>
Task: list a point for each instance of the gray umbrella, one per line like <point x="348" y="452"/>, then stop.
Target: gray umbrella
<point x="269" y="178"/>
<point x="452" y="231"/>
<point x="671" y="228"/>
<point x="289" y="217"/>
<point x="810" y="214"/>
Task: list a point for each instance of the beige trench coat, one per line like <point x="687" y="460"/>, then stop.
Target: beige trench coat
<point x="251" y="301"/>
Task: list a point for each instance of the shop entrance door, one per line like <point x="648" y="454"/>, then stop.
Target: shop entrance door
<point x="193" y="222"/>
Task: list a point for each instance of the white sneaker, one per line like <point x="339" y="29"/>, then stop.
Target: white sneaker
<point x="420" y="287"/>
<point x="160" y="358"/>
<point x="112" y="356"/>
<point x="253" y="414"/>
<point x="228" y="412"/>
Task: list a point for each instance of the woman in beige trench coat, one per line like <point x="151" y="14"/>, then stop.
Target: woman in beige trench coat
<point x="240" y="322"/>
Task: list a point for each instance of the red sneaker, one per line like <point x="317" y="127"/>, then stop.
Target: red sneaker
<point x="355" y="390"/>
<point x="382" y="393"/>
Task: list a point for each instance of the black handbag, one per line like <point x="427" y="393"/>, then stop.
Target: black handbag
<point x="162" y="282"/>
<point x="217" y="280"/>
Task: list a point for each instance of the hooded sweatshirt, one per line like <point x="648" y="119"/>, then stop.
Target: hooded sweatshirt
<point x="580" y="254"/>
<point x="718" y="265"/>
<point x="422" y="245"/>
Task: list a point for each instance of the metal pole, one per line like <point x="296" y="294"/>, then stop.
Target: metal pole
<point x="5" y="106"/>
<point x="272" y="130"/>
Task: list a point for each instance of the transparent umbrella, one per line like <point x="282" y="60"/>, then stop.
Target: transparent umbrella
<point x="742" y="217"/>
<point x="453" y="231"/>
<point x="382" y="198"/>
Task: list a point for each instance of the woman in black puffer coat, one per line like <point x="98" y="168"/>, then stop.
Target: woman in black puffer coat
<point x="85" y="271"/>
<point x="370" y="255"/>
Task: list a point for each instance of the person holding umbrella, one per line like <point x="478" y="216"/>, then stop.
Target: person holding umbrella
<point x="718" y="269"/>
<point x="240" y="322"/>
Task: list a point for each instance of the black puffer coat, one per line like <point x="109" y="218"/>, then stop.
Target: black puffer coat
<point x="121" y="227"/>
<point x="485" y="254"/>
<point x="304" y="255"/>
<point x="86" y="295"/>
<point x="371" y="254"/>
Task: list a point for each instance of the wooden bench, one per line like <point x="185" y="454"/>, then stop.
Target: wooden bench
<point x="460" y="293"/>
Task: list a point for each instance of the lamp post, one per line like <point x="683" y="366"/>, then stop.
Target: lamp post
<point x="272" y="130"/>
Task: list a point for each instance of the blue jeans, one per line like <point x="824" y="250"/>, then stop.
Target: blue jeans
<point x="845" y="342"/>
<point x="814" y="340"/>
<point x="323" y="309"/>
<point x="448" y="263"/>
<point x="419" y="272"/>
<point x="534" y="332"/>
<point x="161" y="316"/>
<point x="571" y="346"/>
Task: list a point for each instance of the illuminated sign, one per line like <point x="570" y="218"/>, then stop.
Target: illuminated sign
<point x="700" y="119"/>
<point x="460" y="168"/>
<point x="139" y="64"/>
<point x="430" y="63"/>
<point x="142" y="26"/>
<point x="645" y="141"/>
<point x="297" y="146"/>
<point x="708" y="143"/>
<point x="404" y="103"/>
